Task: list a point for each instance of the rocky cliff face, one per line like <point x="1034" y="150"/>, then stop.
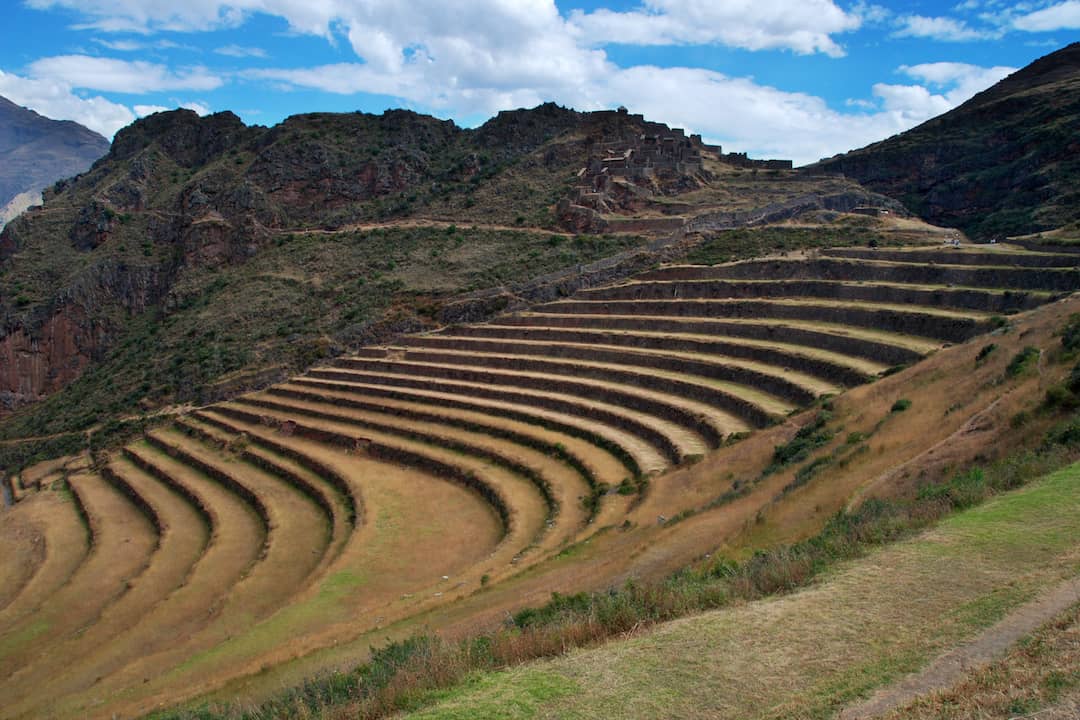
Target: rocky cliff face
<point x="39" y="361"/>
<point x="1007" y="162"/>
<point x="35" y="151"/>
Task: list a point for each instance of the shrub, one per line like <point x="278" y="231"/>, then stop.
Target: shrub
<point x="900" y="405"/>
<point x="985" y="353"/>
<point x="1070" y="334"/>
<point x="806" y="440"/>
<point x="1021" y="361"/>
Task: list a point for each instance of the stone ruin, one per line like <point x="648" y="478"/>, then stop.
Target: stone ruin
<point x="648" y="157"/>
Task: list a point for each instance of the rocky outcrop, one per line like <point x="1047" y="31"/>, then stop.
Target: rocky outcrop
<point x="37" y="362"/>
<point x="183" y="136"/>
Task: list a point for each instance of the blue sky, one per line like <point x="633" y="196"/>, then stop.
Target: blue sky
<point x="777" y="78"/>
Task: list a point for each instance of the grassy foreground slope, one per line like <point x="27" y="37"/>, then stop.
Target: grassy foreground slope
<point x="811" y="653"/>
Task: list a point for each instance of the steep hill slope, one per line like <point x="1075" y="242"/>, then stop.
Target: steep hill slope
<point x="202" y="256"/>
<point x="35" y="152"/>
<point x="1006" y="162"/>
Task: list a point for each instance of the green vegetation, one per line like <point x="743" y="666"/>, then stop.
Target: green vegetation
<point x="809" y="437"/>
<point x="1022" y="361"/>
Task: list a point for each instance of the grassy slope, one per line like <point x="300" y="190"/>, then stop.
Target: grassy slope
<point x="808" y="654"/>
<point x="1039" y="677"/>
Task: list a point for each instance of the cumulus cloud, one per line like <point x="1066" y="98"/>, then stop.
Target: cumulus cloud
<point x="111" y="75"/>
<point x="1062" y="16"/>
<point x="144" y="110"/>
<point x="962" y="80"/>
<point x="55" y="99"/>
<point x="805" y="27"/>
<point x="941" y="28"/>
<point x="200" y="109"/>
<point x="473" y="59"/>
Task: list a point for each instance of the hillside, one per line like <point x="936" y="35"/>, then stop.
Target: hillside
<point x="1006" y="162"/>
<point x="35" y="152"/>
<point x="447" y="479"/>
<point x="201" y="257"/>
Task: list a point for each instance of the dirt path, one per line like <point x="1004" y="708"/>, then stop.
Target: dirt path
<point x="417" y="223"/>
<point x="990" y="645"/>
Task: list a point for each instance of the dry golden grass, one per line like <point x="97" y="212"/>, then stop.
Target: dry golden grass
<point x="123" y="542"/>
<point x="808" y="654"/>
<point x="1038" y="679"/>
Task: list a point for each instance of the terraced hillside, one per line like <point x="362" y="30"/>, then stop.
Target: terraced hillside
<point x="425" y="476"/>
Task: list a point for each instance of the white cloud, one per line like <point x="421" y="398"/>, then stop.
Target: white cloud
<point x="1062" y="16"/>
<point x="240" y="51"/>
<point x="111" y="75"/>
<point x="473" y="59"/>
<point x="144" y="110"/>
<point x="962" y="80"/>
<point x="941" y="28"/>
<point x="200" y="109"/>
<point x="53" y="98"/>
<point x="805" y="27"/>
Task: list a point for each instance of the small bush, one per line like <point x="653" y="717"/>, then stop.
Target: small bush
<point x="1021" y="361"/>
<point x="985" y="353"/>
<point x="900" y="405"/>
<point x="1070" y="334"/>
<point x="807" y="439"/>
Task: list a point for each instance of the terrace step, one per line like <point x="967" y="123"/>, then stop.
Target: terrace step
<point x="592" y="465"/>
<point x="22" y="553"/>
<point x="122" y="543"/>
<point x="1001" y="277"/>
<point x="323" y="495"/>
<point x="794" y="387"/>
<point x="870" y="344"/>
<point x="183" y="533"/>
<point x="349" y="495"/>
<point x="831" y="366"/>
<point x="636" y="455"/>
<point x="744" y="395"/>
<point x="298" y="528"/>
<point x="707" y="421"/>
<point x="515" y="499"/>
<point x="66" y="541"/>
<point x="985" y="255"/>
<point x="978" y="299"/>
<point x="671" y="440"/>
<point x="551" y="478"/>
<point x="238" y="537"/>
<point x="934" y="323"/>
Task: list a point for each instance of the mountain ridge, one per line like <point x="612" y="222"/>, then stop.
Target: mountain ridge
<point x="1003" y="163"/>
<point x="36" y="151"/>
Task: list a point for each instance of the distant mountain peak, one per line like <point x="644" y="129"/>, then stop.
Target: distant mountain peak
<point x="36" y="151"/>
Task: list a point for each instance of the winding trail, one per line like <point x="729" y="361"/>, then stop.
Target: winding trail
<point x="988" y="646"/>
